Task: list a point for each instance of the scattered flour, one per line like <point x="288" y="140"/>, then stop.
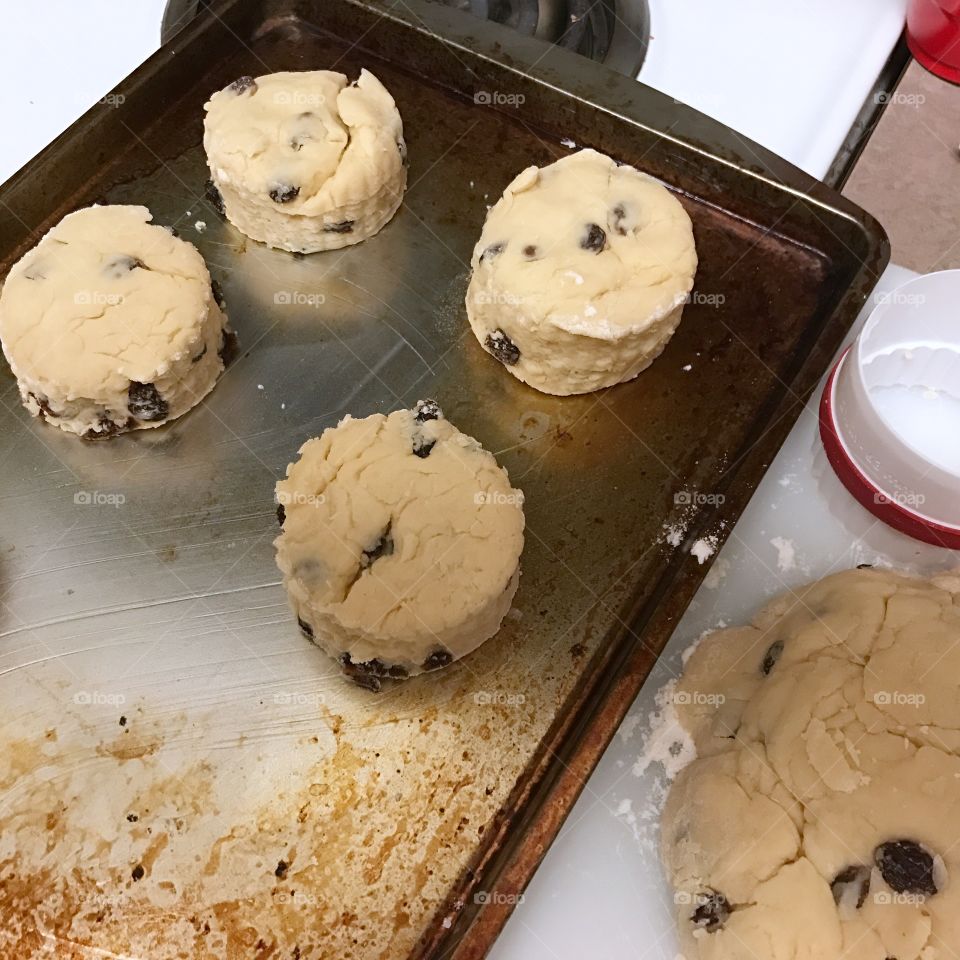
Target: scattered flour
<point x="717" y="572"/>
<point x="675" y="532"/>
<point x="704" y="548"/>
<point x="629" y="726"/>
<point x="568" y="143"/>
<point x="200" y="226"/>
<point x="666" y="743"/>
<point x="786" y="553"/>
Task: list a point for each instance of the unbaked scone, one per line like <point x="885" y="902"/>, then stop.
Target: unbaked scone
<point x="581" y="274"/>
<point x="111" y="323"/>
<point x="306" y="161"/>
<point x="401" y="543"/>
<point x="820" y="818"/>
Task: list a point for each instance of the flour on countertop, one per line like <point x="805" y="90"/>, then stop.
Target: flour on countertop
<point x="666" y="743"/>
<point x="786" y="554"/>
<point x="716" y="574"/>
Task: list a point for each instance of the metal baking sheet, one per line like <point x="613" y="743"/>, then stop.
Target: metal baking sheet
<point x="182" y="774"/>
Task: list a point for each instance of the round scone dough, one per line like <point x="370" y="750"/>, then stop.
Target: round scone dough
<point x="581" y="274"/>
<point x="111" y="323"/>
<point x="306" y="161"/>
<point x="401" y="543"/>
<point x="820" y="818"/>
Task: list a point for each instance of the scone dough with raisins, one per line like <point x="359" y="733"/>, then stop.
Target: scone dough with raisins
<point x="581" y="274"/>
<point x="111" y="324"/>
<point x="306" y="161"/>
<point x="820" y="818"/>
<point x="401" y="543"/>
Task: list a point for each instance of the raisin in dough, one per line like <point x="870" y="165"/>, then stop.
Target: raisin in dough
<point x="821" y="817"/>
<point x="306" y="161"/>
<point x="401" y="543"/>
<point x="581" y="274"/>
<point x="111" y="324"/>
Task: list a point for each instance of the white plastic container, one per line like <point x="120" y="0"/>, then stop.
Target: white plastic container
<point x="890" y="413"/>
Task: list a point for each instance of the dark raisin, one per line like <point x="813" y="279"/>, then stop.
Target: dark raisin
<point x="132" y="818"/>
<point x="44" y="405"/>
<point x="402" y="150"/>
<point x="382" y="548"/>
<point x="502" y="347"/>
<point x="439" y="658"/>
<point x="217" y="291"/>
<point x="427" y="410"/>
<point x="906" y="867"/>
<point x="215" y="198"/>
<point x="771" y="657"/>
<point x="595" y="238"/>
<point x="145" y="403"/>
<point x="284" y="193"/>
<point x="494" y="250"/>
<point x="864" y="566"/>
<point x="242" y="85"/>
<point x="618" y="215"/>
<point x="712" y="912"/>
<point x="366" y="674"/>
<point x="344" y="226"/>
<point x="422" y="447"/>
<point x="228" y="346"/>
<point x="123" y="721"/>
<point x="138" y="872"/>
<point x="107" y="428"/>
<point x="200" y="355"/>
<point x="305" y="628"/>
<point x="281" y="514"/>
<point x="856" y="878"/>
<point x="530" y="252"/>
<point x="281" y="870"/>
<point x="118" y="267"/>
<point x="397" y="672"/>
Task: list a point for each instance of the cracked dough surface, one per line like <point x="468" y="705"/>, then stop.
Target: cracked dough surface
<point x="821" y="818"/>
<point x="401" y="542"/>
<point x="110" y="323"/>
<point x="306" y="161"/>
<point x="581" y="273"/>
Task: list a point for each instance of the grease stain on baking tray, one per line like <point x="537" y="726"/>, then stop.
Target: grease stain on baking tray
<point x="314" y="826"/>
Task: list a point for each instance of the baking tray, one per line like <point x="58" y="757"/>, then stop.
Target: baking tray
<point x="182" y="774"/>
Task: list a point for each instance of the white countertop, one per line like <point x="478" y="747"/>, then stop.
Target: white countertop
<point x="791" y="76"/>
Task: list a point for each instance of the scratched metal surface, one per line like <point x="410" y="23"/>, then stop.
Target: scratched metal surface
<point x="182" y="774"/>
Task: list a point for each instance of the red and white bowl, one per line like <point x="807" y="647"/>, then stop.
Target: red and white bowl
<point x="890" y="413"/>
